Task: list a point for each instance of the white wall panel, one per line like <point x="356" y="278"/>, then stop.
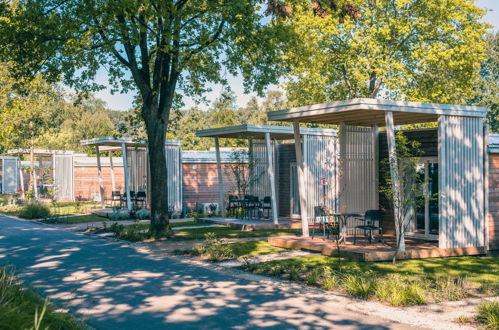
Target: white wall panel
<point x="461" y="182"/>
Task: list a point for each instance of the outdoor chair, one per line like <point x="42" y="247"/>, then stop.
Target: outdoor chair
<point x="267" y="206"/>
<point x="234" y="206"/>
<point x="251" y="204"/>
<point x="115" y="199"/>
<point x="140" y="199"/>
<point x="319" y="221"/>
<point x="371" y="223"/>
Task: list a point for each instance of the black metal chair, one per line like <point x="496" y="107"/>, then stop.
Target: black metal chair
<point x="251" y="204"/>
<point x="234" y="206"/>
<point x="372" y="223"/>
<point x="266" y="206"/>
<point x="140" y="199"/>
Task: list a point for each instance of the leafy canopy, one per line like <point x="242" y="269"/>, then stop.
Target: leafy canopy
<point x="425" y="50"/>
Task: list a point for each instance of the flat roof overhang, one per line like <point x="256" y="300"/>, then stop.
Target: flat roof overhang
<point x="108" y="143"/>
<point x="41" y="152"/>
<point x="259" y="131"/>
<point x="368" y="112"/>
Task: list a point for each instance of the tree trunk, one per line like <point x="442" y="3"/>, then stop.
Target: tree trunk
<point x="156" y="134"/>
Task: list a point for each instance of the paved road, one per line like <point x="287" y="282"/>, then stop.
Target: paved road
<point x="118" y="287"/>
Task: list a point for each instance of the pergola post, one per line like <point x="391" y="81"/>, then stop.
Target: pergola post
<point x="111" y="167"/>
<point x="127" y="179"/>
<point x="101" y="181"/>
<point x="301" y="178"/>
<point x="397" y="194"/>
<point x="270" y="170"/>
<point x="220" y="178"/>
<point x="375" y="174"/>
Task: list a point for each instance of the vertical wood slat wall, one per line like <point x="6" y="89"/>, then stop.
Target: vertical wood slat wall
<point x="358" y="182"/>
<point x="63" y="177"/>
<point x="139" y="173"/>
<point x="261" y="185"/>
<point x="320" y="155"/>
<point x="461" y="182"/>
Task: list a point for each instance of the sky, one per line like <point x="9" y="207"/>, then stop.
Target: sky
<point x="123" y="102"/>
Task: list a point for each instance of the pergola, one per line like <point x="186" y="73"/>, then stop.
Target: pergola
<point x="461" y="135"/>
<point x="61" y="163"/>
<point x="266" y="133"/>
<point x="137" y="171"/>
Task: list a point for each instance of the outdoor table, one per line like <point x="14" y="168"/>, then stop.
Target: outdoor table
<point x="343" y="217"/>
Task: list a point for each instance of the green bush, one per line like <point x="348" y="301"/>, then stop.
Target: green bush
<point x="119" y="215"/>
<point x="216" y="248"/>
<point x="488" y="314"/>
<point x="359" y="285"/>
<point x="399" y="292"/>
<point x="142" y="214"/>
<point x="23" y="308"/>
<point x="35" y="211"/>
<point x="450" y="289"/>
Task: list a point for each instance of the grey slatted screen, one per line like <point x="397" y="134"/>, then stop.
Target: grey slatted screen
<point x="9" y="176"/>
<point x="63" y="177"/>
<point x="461" y="182"/>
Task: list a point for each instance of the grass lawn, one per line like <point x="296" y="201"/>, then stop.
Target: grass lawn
<point x="226" y="232"/>
<point x="76" y="219"/>
<point x="20" y="304"/>
<point x="408" y="282"/>
<point x="254" y="248"/>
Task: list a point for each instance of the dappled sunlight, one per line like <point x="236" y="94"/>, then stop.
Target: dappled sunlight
<point x="114" y="284"/>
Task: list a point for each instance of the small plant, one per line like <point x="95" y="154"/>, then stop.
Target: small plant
<point x="314" y="276"/>
<point x="359" y="285"/>
<point x="398" y="292"/>
<point x="329" y="279"/>
<point x="488" y="314"/>
<point x="35" y="211"/>
<point x="216" y="248"/>
<point x="462" y="319"/>
<point x="119" y="215"/>
<point x="142" y="214"/>
<point x="452" y="289"/>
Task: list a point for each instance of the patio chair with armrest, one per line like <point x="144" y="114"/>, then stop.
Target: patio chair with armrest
<point x="251" y="204"/>
<point x="371" y="223"/>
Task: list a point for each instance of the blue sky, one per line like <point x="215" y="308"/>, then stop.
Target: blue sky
<point x="124" y="101"/>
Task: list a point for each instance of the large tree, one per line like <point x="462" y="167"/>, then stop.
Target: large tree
<point x="161" y="49"/>
<point x="425" y="50"/>
<point x="487" y="89"/>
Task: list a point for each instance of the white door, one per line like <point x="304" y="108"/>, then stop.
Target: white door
<point x="63" y="177"/>
<point x="294" y="190"/>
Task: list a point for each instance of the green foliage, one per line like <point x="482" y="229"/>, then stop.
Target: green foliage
<point x="142" y="214"/>
<point x="35" y="211"/>
<point x="409" y="282"/>
<point x="24" y="308"/>
<point x="119" y="215"/>
<point x="427" y="50"/>
<point x="214" y="248"/>
<point x="486" y="91"/>
<point x="488" y="314"/>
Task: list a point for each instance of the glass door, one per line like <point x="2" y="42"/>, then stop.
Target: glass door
<point x="294" y="190"/>
<point x="425" y="215"/>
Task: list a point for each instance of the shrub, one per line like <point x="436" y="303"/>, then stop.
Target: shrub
<point x="448" y="288"/>
<point x="142" y="214"/>
<point x="119" y="215"/>
<point x="23" y="308"/>
<point x="216" y="248"/>
<point x="359" y="285"/>
<point x="488" y="313"/>
<point x="399" y="292"/>
<point x="35" y="211"/>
